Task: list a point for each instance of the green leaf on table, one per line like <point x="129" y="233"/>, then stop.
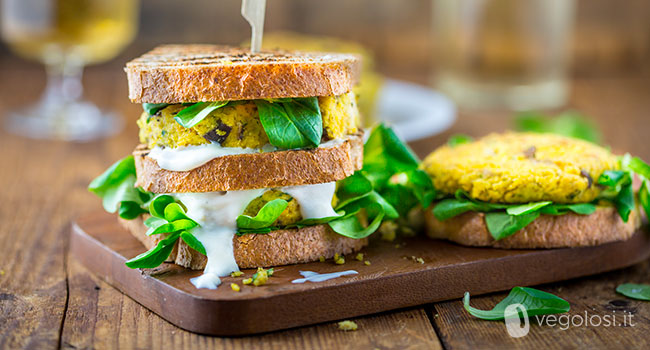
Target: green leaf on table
<point x="501" y="224"/>
<point x="191" y="241"/>
<point x="458" y="139"/>
<point x="569" y="123"/>
<point x="153" y="108"/>
<point x="156" y="255"/>
<point x="635" y="291"/>
<point x="536" y="302"/>
<point x="265" y="217"/>
<point x="194" y="114"/>
<point x="291" y="123"/>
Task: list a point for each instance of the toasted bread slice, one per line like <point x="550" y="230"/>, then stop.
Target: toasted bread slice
<point x="255" y="170"/>
<point x="547" y="231"/>
<point x="194" y="73"/>
<point x="282" y="247"/>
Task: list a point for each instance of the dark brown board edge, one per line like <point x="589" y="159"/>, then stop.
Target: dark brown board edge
<point x="250" y="316"/>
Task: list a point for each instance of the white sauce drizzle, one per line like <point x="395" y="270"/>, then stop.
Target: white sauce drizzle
<point x="191" y="157"/>
<point x="315" y="200"/>
<point x="216" y="212"/>
<point x="311" y="276"/>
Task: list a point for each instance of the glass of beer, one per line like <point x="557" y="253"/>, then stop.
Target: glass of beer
<point x="509" y="54"/>
<point x="65" y="36"/>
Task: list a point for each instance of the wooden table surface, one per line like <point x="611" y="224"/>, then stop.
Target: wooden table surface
<point x="48" y="300"/>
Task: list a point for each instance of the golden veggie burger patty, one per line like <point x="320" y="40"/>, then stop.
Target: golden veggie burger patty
<point x="238" y="125"/>
<point x="521" y="168"/>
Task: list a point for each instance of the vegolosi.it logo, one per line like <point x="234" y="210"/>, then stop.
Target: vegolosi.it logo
<point x="518" y="323"/>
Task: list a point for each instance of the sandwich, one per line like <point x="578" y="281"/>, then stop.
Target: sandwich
<point x="248" y="160"/>
<point x="527" y="190"/>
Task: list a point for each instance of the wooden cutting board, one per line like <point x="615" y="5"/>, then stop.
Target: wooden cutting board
<point x="393" y="280"/>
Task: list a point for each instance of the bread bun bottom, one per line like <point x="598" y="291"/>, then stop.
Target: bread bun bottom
<point x="569" y="230"/>
<point x="281" y="247"/>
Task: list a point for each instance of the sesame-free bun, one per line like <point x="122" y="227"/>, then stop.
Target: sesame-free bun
<point x="547" y="231"/>
<point x="195" y="73"/>
<point x="254" y="170"/>
<point x="281" y="247"/>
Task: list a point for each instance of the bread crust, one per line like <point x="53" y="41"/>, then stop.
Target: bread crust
<point x="282" y="247"/>
<point x="194" y="73"/>
<point x="255" y="170"/>
<point x="547" y="231"/>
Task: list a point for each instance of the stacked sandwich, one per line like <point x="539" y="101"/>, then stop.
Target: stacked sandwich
<point x="239" y="160"/>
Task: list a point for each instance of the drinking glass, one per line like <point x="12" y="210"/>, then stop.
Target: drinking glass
<point x="65" y="36"/>
<point x="503" y="53"/>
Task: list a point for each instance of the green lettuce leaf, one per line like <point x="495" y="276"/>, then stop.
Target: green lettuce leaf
<point x="535" y="301"/>
<point x="634" y="291"/>
<point x="569" y="123"/>
<point x="458" y="139"/>
<point x="156" y="255"/>
<point x="194" y="114"/>
<point x="501" y="224"/>
<point x="291" y="123"/>
<point x="266" y="216"/>
<point x="153" y="108"/>
<point x="116" y="188"/>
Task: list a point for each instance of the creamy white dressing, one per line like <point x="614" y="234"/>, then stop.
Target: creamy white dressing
<point x="315" y="200"/>
<point x="311" y="276"/>
<point x="216" y="213"/>
<point x="191" y="157"/>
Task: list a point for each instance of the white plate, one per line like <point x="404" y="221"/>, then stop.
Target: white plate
<point x="414" y="111"/>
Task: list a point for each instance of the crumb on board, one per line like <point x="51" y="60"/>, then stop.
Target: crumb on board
<point x="249" y="280"/>
<point x="359" y="257"/>
<point x="321" y="258"/>
<point x="348" y="325"/>
<point x="339" y="259"/>
<point x="367" y="262"/>
<point x="388" y="231"/>
<point x="261" y="277"/>
<point x="235" y="287"/>
<point x="2" y="272"/>
<point x="414" y="259"/>
<point x="236" y="274"/>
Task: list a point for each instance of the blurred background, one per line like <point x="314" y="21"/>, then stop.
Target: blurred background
<point x="610" y="37"/>
<point x="452" y="46"/>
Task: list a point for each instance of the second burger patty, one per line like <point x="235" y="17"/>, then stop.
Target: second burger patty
<point x="238" y="124"/>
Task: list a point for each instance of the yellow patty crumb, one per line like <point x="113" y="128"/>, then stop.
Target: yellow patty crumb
<point x="238" y="125"/>
<point x="521" y="168"/>
<point x="347" y="325"/>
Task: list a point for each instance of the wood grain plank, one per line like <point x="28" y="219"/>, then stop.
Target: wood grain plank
<point x="101" y="317"/>
<point x="590" y="298"/>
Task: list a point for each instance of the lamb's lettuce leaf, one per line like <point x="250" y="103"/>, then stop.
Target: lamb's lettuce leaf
<point x="195" y="113"/>
<point x="265" y="217"/>
<point x="116" y="188"/>
<point x="291" y="123"/>
<point x="535" y="302"/>
<point x="153" y="108"/>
